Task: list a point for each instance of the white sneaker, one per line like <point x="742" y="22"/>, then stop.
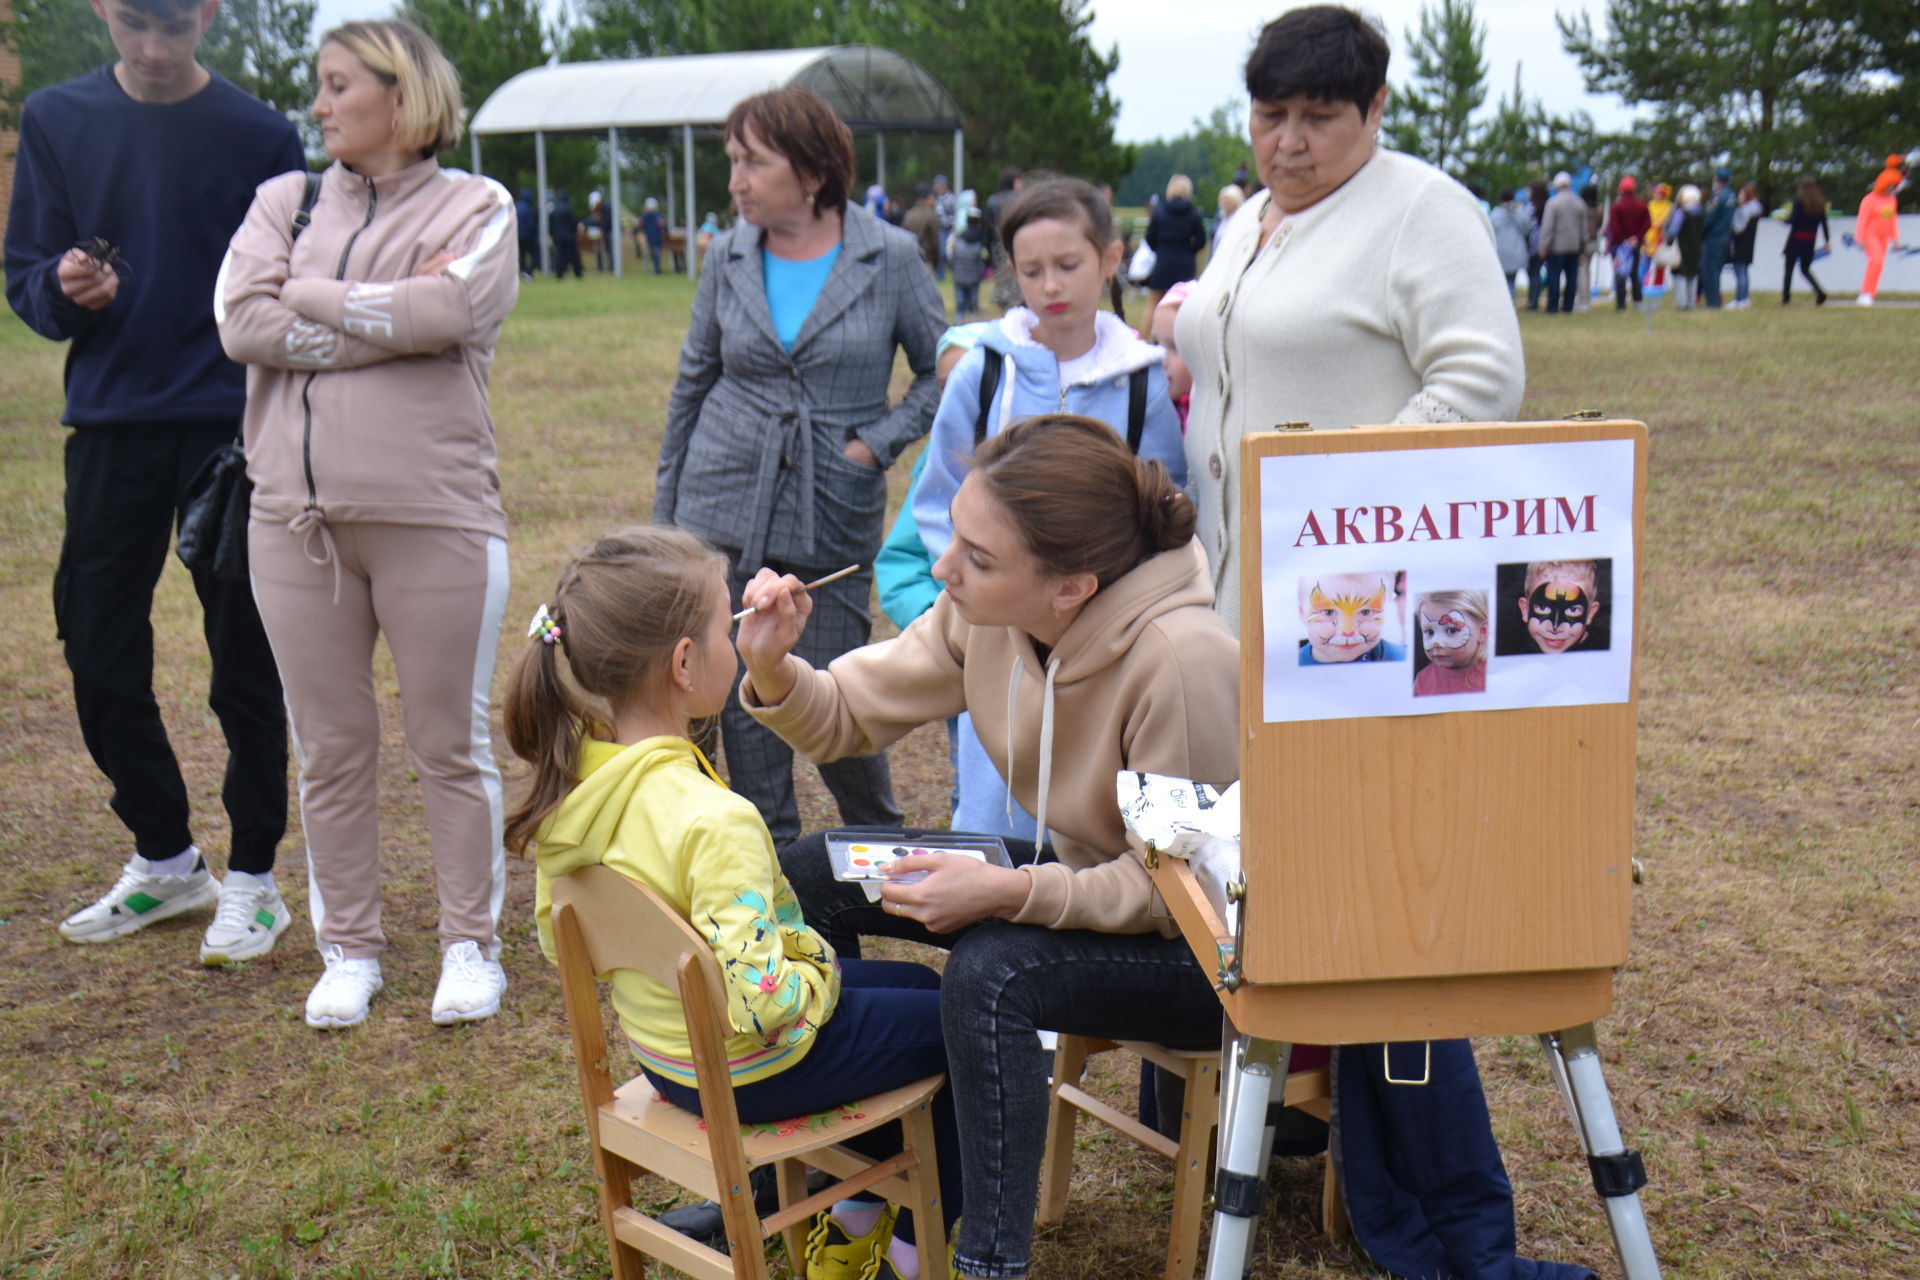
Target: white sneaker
<point x="250" y="920"/>
<point x="1864" y="300"/>
<point x="340" y="998"/>
<point x="470" y="985"/>
<point x="137" y="899"/>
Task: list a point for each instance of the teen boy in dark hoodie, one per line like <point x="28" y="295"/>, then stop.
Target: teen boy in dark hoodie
<point x="157" y="157"/>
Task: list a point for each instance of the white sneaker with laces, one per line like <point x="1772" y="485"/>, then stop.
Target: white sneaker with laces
<point x="137" y="899"/>
<point x="470" y="985"/>
<point x="250" y="920"/>
<point x="340" y="998"/>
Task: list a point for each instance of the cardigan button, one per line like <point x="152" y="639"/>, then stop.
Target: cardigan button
<point x="793" y="372"/>
<point x="1226" y="300"/>
<point x="1213" y="465"/>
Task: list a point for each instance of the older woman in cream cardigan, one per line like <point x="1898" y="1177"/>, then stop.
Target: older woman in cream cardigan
<point x="1360" y="287"/>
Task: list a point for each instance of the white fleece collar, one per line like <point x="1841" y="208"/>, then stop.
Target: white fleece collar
<point x="1117" y="350"/>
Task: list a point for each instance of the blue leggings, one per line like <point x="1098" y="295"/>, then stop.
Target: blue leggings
<point x="884" y="1033"/>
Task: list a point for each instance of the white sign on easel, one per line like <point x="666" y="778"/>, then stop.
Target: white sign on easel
<point x="1423" y="581"/>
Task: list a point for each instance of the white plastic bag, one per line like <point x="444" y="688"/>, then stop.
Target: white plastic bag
<point x="1142" y="265"/>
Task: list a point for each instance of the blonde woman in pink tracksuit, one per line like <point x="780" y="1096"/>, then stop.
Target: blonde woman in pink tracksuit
<point x="368" y="337"/>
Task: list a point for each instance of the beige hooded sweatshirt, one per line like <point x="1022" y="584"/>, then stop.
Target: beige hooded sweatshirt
<point x="366" y="381"/>
<point x="1146" y="677"/>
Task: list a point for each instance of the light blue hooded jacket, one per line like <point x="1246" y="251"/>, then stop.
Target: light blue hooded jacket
<point x="1029" y="385"/>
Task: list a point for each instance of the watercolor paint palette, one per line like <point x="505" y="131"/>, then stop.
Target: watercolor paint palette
<point x="865" y="855"/>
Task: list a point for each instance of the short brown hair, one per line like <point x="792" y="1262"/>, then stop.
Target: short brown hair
<point x="1082" y="502"/>
<point x="401" y="54"/>
<point x="800" y="125"/>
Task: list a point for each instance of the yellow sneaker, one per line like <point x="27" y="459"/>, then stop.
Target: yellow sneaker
<point x="832" y="1254"/>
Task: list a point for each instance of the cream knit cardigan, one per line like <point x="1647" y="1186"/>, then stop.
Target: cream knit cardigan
<point x="1382" y="303"/>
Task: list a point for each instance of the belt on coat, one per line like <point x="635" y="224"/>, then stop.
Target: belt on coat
<point x="796" y="446"/>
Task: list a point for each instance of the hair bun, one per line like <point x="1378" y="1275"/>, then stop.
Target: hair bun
<point x="1166" y="513"/>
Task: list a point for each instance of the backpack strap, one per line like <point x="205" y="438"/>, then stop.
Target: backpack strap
<point x="304" y="214"/>
<point x="1137" y="407"/>
<point x="989" y="384"/>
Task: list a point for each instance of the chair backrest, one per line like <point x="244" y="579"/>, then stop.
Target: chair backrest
<point x="626" y="925"/>
<point x="603" y="921"/>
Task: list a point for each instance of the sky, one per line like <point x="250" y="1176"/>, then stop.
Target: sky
<point x="1175" y="69"/>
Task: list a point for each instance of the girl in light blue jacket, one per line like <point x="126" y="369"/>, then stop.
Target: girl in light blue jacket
<point x="1057" y="354"/>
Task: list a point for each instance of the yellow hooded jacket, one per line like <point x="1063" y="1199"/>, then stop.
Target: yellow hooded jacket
<point x="656" y="813"/>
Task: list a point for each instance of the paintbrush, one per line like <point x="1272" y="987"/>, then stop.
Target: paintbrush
<point x="817" y="582"/>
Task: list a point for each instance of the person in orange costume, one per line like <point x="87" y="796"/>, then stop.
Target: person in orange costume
<point x="1876" y="229"/>
<point x="1659" y="209"/>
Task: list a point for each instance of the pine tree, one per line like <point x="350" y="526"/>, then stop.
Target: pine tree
<point x="1431" y="116"/>
<point x="1779" y="87"/>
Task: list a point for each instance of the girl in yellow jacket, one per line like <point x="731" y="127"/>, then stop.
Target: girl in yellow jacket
<point x="633" y="648"/>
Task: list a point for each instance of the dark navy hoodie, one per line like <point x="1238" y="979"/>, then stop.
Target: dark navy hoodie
<point x="168" y="185"/>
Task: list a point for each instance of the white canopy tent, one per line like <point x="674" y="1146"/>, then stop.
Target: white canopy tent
<point x="874" y="90"/>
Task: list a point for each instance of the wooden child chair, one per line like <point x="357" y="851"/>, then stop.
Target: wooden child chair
<point x="603" y="921"/>
<point x="1191" y="1153"/>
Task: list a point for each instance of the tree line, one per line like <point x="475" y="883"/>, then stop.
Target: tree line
<point x="1031" y="86"/>
<point x="1775" y="89"/>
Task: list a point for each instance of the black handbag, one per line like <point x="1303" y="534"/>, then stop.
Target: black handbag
<point x="213" y="525"/>
<point x="213" y="521"/>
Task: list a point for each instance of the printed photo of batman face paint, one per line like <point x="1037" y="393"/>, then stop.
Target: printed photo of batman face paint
<point x="1561" y="605"/>
<point x="1344" y="614"/>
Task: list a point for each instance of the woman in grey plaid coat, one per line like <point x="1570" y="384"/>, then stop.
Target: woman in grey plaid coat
<point x="778" y="431"/>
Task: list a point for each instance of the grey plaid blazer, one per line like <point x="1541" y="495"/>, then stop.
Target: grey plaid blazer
<point x="751" y="458"/>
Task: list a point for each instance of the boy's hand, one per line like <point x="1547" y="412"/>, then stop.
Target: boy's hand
<point x="957" y="891"/>
<point x="85" y="282"/>
<point x="767" y="635"/>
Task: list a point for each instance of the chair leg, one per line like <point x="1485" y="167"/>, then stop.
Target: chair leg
<point x="1199" y="1110"/>
<point x="616" y="1192"/>
<point x="1333" y="1211"/>
<point x="1056" y="1170"/>
<point x="929" y="1222"/>
<point x="791" y="1177"/>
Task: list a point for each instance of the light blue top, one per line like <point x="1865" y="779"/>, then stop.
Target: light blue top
<point x="792" y="287"/>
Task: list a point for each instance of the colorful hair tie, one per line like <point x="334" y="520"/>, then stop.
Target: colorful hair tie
<point x="544" y="626"/>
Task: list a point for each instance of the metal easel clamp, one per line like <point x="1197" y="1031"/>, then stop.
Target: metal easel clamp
<point x="1241" y="1195"/>
<point x="1386" y="1066"/>
<point x="1620" y="1174"/>
<point x="1585" y="415"/>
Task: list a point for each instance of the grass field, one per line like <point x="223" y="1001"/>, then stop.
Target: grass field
<point x="160" y="1120"/>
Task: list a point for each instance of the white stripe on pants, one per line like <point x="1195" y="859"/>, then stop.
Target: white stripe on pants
<point x="438" y="596"/>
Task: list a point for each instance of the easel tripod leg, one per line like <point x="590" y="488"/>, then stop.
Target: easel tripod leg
<point x="1250" y="1072"/>
<point x="1618" y="1175"/>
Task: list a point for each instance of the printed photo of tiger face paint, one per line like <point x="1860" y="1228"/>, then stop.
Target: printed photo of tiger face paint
<point x="1348" y="617"/>
<point x="1560" y="604"/>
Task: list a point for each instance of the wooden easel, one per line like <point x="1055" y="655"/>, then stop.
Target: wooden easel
<point x="1394" y="882"/>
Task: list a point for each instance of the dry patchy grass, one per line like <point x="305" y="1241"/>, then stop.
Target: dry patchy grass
<point x="160" y="1120"/>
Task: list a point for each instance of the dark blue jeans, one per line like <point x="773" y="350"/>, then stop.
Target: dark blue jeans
<point x="884" y="1033"/>
<point x="1563" y="270"/>
<point x="1002" y="983"/>
<point x="1713" y="257"/>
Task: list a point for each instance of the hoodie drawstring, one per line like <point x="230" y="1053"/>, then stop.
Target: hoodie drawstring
<point x="1046" y="758"/>
<point x="1046" y="748"/>
<point x="309" y="523"/>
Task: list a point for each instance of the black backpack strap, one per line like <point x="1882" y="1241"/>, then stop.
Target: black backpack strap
<point x="1137" y="407"/>
<point x="989" y="384"/>
<point x="305" y="213"/>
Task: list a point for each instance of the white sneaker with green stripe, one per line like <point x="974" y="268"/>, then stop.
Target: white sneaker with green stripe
<point x="250" y="919"/>
<point x="138" y="899"/>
